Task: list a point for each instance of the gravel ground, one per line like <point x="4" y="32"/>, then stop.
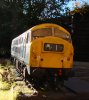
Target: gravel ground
<point x="81" y="70"/>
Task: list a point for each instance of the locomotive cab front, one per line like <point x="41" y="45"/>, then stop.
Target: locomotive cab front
<point x="51" y="51"/>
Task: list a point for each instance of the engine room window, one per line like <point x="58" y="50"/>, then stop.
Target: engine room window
<point x="27" y="38"/>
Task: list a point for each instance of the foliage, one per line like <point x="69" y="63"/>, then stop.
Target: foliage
<point x="19" y="15"/>
<point x="4" y="86"/>
<point x="83" y="10"/>
<point x="81" y="32"/>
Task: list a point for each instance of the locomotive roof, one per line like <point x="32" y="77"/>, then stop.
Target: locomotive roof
<point x="49" y="25"/>
<point x="45" y="25"/>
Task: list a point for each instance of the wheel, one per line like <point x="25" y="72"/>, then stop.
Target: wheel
<point x="25" y="74"/>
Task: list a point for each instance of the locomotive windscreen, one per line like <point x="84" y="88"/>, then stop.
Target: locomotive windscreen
<point x="43" y="32"/>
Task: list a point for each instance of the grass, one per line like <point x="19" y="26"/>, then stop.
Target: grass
<point x="6" y="95"/>
<point x="11" y="90"/>
<point x="5" y="86"/>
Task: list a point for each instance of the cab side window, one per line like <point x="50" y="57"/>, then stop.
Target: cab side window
<point x="27" y="39"/>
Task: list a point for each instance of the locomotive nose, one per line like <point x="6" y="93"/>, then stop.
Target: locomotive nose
<point x="47" y="52"/>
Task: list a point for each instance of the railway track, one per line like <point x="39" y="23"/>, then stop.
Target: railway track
<point x="48" y="93"/>
<point x="35" y="88"/>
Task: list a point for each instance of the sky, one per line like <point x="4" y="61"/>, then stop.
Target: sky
<point x="72" y="3"/>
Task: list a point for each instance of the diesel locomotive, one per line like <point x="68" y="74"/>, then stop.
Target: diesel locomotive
<point x="44" y="52"/>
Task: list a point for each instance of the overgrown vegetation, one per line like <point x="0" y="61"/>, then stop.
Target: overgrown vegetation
<point x="6" y="72"/>
<point x="10" y="88"/>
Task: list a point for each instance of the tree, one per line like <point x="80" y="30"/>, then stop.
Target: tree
<point x="11" y="15"/>
<point x="81" y="32"/>
<point x="19" y="15"/>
